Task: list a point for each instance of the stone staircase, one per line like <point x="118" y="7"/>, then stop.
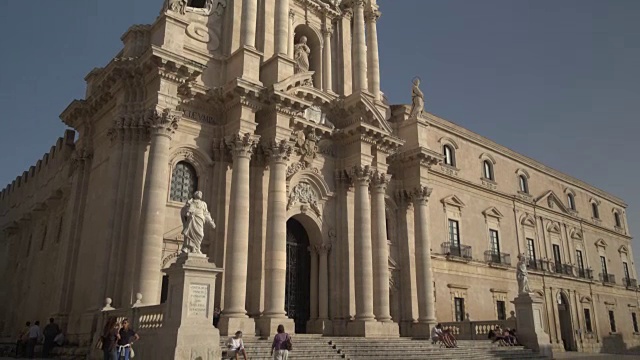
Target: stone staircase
<point x="319" y="347"/>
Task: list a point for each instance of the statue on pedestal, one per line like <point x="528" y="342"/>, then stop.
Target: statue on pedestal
<point x="194" y="215"/>
<point x="417" y="100"/>
<point x="522" y="274"/>
<point x="301" y="54"/>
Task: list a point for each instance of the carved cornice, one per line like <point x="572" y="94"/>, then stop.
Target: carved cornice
<point x="242" y="145"/>
<point x="342" y="177"/>
<point x="423" y="156"/>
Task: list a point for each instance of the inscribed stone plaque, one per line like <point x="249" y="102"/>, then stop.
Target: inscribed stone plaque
<point x="198" y="300"/>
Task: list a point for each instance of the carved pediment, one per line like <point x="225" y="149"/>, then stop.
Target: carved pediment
<point x="623" y="249"/>
<point x="553" y="227"/>
<point x="358" y="109"/>
<point x="601" y="243"/>
<point x="576" y="234"/>
<point x="493" y="212"/>
<point x="453" y="200"/>
<point x="528" y="220"/>
<point x="585" y="299"/>
<point x="552" y="201"/>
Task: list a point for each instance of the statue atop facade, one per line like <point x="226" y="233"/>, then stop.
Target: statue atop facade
<point x="417" y="100"/>
<point x="194" y="215"/>
<point x="522" y="274"/>
<point x="301" y="56"/>
<point x="179" y="6"/>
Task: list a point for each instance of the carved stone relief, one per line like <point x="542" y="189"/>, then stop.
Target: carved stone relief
<point x="303" y="193"/>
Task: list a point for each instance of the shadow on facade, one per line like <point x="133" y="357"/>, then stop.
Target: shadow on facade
<point x="614" y="344"/>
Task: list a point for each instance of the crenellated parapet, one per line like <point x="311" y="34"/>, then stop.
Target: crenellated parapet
<point x="42" y="183"/>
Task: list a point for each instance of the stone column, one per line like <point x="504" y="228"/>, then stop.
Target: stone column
<point x="380" y="248"/>
<point x="235" y="290"/>
<point x="162" y="126"/>
<point x="282" y="27"/>
<point x="328" y="76"/>
<point x="424" y="273"/>
<point x="291" y="34"/>
<point x="362" y="244"/>
<point x="359" y="47"/>
<point x="313" y="290"/>
<point x="276" y="239"/>
<point x="373" y="62"/>
<point x="323" y="282"/>
<point x="249" y="22"/>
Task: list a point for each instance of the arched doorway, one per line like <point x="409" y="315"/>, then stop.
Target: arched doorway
<point x="566" y="328"/>
<point x="297" y="287"/>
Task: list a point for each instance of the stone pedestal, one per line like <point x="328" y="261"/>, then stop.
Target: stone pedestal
<point x="373" y="329"/>
<point x="422" y="330"/>
<point x="276" y="69"/>
<point x="245" y="64"/>
<point x="320" y="326"/>
<point x="530" y="326"/>
<point x="187" y="331"/>
<point x="268" y="326"/>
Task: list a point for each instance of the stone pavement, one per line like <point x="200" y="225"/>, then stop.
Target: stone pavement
<point x="577" y="356"/>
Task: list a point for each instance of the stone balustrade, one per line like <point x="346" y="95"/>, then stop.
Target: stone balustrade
<point x="476" y="330"/>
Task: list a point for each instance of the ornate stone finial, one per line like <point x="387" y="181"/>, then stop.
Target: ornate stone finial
<point x="380" y="181"/>
<point x="417" y="100"/>
<point x="242" y="145"/>
<point x="421" y="194"/>
<point x="278" y="151"/>
<point x="107" y="305"/>
<point x="138" y="302"/>
<point x="361" y="174"/>
<point x="163" y="123"/>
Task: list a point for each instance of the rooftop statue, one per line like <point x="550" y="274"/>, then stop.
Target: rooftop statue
<point x="194" y="215"/>
<point x="417" y="99"/>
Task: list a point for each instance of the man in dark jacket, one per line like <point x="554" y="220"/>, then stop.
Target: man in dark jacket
<point x="50" y="332"/>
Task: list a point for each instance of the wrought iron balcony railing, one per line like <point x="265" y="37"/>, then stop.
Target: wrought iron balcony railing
<point x="607" y="278"/>
<point x="497" y="258"/>
<point x="532" y="264"/>
<point x="585" y="273"/>
<point x="630" y="283"/>
<point x="460" y="251"/>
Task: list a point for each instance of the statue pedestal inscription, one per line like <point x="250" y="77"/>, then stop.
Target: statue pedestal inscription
<point x="187" y="331"/>
<point x="530" y="326"/>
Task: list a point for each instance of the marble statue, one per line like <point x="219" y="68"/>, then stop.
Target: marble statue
<point x="194" y="216"/>
<point x="179" y="6"/>
<point x="522" y="274"/>
<point x="301" y="56"/>
<point x="417" y="100"/>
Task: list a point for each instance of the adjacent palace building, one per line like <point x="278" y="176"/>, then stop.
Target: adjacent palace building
<point x="336" y="212"/>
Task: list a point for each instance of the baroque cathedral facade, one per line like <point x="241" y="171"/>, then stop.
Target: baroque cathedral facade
<point x="336" y="212"/>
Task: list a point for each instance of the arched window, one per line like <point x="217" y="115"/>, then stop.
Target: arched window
<point x="449" y="155"/>
<point x="571" y="201"/>
<point x="488" y="170"/>
<point x="184" y="182"/>
<point x="616" y="216"/>
<point x="524" y="185"/>
<point x="594" y="210"/>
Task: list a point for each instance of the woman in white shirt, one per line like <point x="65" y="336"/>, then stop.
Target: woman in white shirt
<point x="236" y="347"/>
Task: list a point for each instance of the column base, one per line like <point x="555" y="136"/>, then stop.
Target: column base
<point x="422" y="330"/>
<point x="245" y="64"/>
<point x="373" y="329"/>
<point x="228" y="326"/>
<point x="320" y="326"/>
<point x="276" y="69"/>
<point x="268" y="326"/>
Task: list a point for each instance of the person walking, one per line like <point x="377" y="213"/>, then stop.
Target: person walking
<point x="126" y="338"/>
<point x="281" y="345"/>
<point x="50" y="332"/>
<point x="35" y="335"/>
<point x="21" y="340"/>
<point x="110" y="336"/>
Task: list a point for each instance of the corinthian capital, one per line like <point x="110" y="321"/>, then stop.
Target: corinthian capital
<point x="357" y="3"/>
<point x="420" y="194"/>
<point x="242" y="145"/>
<point x="372" y="16"/>
<point x="380" y="181"/>
<point x="278" y="151"/>
<point x="162" y="122"/>
<point x="361" y="174"/>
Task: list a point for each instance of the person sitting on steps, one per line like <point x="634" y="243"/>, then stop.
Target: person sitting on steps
<point x="236" y="347"/>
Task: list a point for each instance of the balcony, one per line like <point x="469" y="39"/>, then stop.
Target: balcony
<point x="607" y="278"/>
<point x="532" y="264"/>
<point x="456" y="251"/>
<point x="585" y="273"/>
<point x="629" y="283"/>
<point x="496" y="258"/>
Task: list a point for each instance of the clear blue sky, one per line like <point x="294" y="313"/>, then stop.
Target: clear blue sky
<point x="558" y="81"/>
